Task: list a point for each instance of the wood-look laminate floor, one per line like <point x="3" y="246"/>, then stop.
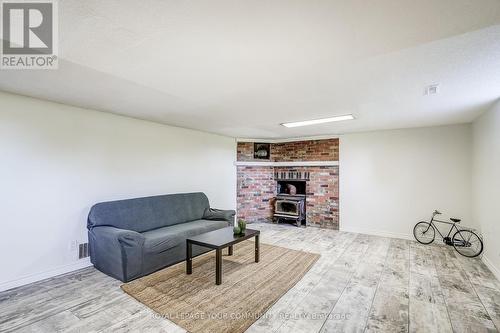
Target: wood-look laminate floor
<point x="360" y="283"/>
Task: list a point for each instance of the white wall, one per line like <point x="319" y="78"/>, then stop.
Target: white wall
<point x="486" y="181"/>
<point x="389" y="180"/>
<point x="56" y="161"/>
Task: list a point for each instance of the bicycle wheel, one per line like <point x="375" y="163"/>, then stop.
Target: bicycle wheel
<point x="424" y="232"/>
<point x="467" y="243"/>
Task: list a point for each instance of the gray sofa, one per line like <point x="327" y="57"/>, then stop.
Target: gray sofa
<point x="135" y="237"/>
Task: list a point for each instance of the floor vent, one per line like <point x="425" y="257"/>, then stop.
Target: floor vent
<point x="83" y="250"/>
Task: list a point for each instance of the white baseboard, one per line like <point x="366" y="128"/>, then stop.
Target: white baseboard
<point x="45" y="275"/>
<point x="378" y="233"/>
<point x="491" y="266"/>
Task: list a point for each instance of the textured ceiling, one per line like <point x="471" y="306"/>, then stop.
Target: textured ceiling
<point x="240" y="68"/>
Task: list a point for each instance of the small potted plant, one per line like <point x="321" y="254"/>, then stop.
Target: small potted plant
<point x="236" y="230"/>
<point x="243" y="226"/>
<point x="240" y="228"/>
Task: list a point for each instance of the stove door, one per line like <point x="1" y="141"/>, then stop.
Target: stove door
<point x="287" y="207"/>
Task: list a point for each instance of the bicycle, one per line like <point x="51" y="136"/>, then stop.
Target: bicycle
<point x="465" y="241"/>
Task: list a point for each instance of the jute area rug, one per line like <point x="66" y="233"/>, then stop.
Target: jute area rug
<point x="248" y="289"/>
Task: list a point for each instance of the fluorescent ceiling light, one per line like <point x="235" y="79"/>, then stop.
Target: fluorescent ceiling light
<point x="319" y="121"/>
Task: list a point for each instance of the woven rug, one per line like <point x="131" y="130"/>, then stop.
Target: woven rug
<point x="248" y="289"/>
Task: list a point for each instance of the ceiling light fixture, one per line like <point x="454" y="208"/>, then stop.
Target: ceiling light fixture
<point x="319" y="121"/>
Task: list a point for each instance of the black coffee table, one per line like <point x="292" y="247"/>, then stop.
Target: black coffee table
<point x="218" y="240"/>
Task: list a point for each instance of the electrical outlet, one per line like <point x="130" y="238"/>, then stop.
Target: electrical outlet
<point x="72" y="250"/>
<point x="73" y="246"/>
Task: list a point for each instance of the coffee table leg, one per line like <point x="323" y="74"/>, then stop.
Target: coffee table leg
<point x="230" y="250"/>
<point x="218" y="266"/>
<point x="189" y="259"/>
<point x="257" y="255"/>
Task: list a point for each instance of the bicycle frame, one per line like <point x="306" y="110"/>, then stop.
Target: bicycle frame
<point x="453" y="226"/>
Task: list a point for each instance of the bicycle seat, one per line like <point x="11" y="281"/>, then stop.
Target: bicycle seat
<point x="455" y="220"/>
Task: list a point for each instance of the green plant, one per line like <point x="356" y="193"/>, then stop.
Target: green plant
<point x="243" y="225"/>
<point x="236" y="230"/>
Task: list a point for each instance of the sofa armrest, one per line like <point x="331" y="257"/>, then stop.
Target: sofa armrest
<point x="219" y="214"/>
<point x="116" y="252"/>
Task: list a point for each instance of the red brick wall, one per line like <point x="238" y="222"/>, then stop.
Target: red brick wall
<point x="312" y="150"/>
<point x="244" y="151"/>
<point x="255" y="190"/>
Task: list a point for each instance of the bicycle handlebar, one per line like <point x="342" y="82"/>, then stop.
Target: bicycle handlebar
<point x="437" y="212"/>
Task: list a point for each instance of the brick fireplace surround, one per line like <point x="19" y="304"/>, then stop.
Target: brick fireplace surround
<point x="256" y="186"/>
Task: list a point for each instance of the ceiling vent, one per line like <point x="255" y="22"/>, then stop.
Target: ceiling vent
<point x="432" y="89"/>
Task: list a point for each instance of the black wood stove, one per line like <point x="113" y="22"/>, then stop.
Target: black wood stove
<point x="290" y="201"/>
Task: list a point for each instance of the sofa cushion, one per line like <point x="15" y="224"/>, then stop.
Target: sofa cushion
<point x="165" y="238"/>
<point x="143" y="214"/>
